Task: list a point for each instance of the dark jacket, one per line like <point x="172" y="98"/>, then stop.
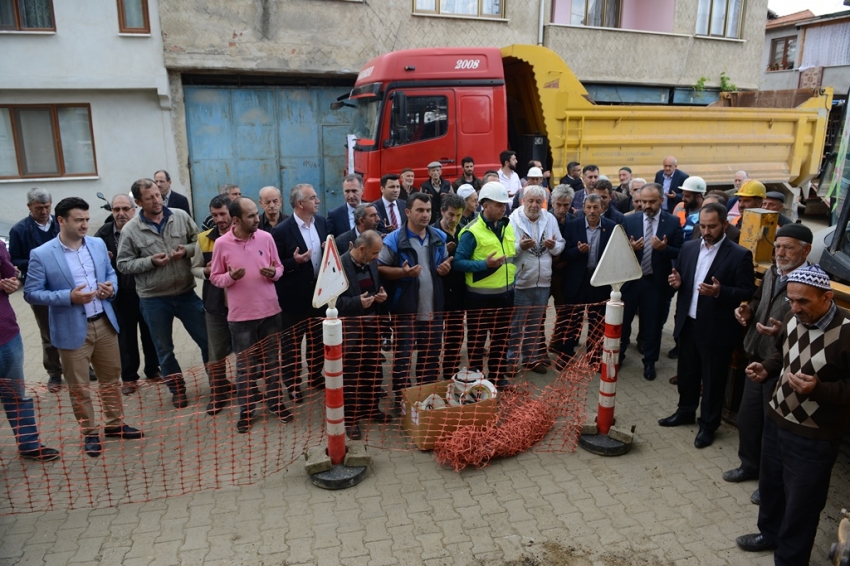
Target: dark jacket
<point x="176" y="200"/>
<point x="401" y="206"/>
<point x="679" y="177"/>
<point x="126" y="283"/>
<point x="575" y="273"/>
<point x="349" y="303"/>
<point x="338" y="222"/>
<point x="265" y="226"/>
<point x="295" y="288"/>
<point x="24" y="237"/>
<point x="344" y="239"/>
<point x="436" y="194"/>
<point x="404" y="296"/>
<point x="662" y="262"/>
<point x="476" y="183"/>
<point x="768" y="302"/>
<point x="733" y="268"/>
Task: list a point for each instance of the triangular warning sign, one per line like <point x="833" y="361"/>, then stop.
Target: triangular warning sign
<point x="332" y="281"/>
<point x="618" y="263"/>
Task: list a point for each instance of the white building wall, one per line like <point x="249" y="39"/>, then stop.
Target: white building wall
<point x="122" y="77"/>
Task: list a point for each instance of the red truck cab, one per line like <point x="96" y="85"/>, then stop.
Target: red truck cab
<point x="417" y="106"/>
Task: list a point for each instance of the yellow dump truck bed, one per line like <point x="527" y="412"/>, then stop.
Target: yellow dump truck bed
<point x="742" y="132"/>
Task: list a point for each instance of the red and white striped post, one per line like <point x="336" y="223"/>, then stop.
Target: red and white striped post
<point x="610" y="362"/>
<point x="334" y="406"/>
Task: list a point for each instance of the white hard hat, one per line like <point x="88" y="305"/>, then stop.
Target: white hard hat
<point x="535" y="172"/>
<point x="694" y="184"/>
<point x="494" y="191"/>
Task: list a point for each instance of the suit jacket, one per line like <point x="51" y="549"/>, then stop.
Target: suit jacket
<point x="50" y="283"/>
<point x="338" y="220"/>
<point x="296" y="285"/>
<point x="662" y="262"/>
<point x="349" y="303"/>
<point x="401" y="206"/>
<point x="733" y="267"/>
<point x="176" y="200"/>
<point x="344" y="239"/>
<point x="679" y="177"/>
<point x="576" y="277"/>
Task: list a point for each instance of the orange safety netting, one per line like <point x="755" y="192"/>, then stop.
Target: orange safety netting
<point x="187" y="450"/>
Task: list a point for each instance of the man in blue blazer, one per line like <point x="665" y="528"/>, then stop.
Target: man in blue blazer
<point x="72" y="275"/>
<point x="341" y="218"/>
<point x="713" y="276"/>
<point x="300" y="243"/>
<point x="169" y="197"/>
<point x="656" y="237"/>
<point x="585" y="238"/>
<point x="670" y="177"/>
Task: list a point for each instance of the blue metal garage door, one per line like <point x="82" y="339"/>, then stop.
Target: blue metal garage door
<point x="254" y="137"/>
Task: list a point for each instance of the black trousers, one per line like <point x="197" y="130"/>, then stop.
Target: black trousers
<point x="493" y="316"/>
<point x="296" y="327"/>
<point x="453" y="331"/>
<point x="793" y="483"/>
<point x="751" y="415"/>
<point x="645" y="295"/>
<point x="133" y="326"/>
<point x="361" y="366"/>
<point x="703" y="362"/>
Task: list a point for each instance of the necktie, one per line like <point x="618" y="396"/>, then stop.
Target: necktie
<point x="646" y="260"/>
<point x="393" y="217"/>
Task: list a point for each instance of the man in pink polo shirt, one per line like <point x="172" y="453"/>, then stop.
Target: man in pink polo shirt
<point x="246" y="264"/>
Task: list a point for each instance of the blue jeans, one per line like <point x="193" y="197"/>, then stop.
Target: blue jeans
<point x="159" y="314"/>
<point x="527" y="326"/>
<point x="19" y="408"/>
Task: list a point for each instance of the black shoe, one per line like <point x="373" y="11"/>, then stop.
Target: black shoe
<point x="54" y="384"/>
<point x="283" y="414"/>
<point x="92" y="376"/>
<point x="677" y="419"/>
<point x="42" y="454"/>
<point x="738" y="475"/>
<point x="622" y="357"/>
<point x="649" y="371"/>
<point x="502" y="383"/>
<point x="179" y="400"/>
<point x="92" y="446"/>
<point x="243" y="425"/>
<point x="123" y="431"/>
<point x="704" y="438"/>
<point x="755" y="542"/>
<point x="353" y="432"/>
<point x="215" y="405"/>
<point x="755" y="498"/>
<point x="674" y="353"/>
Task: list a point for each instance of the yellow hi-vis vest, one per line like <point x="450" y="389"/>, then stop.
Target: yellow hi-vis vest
<point x="500" y="279"/>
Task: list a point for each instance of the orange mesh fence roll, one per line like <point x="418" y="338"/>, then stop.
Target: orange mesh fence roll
<point x="187" y="450"/>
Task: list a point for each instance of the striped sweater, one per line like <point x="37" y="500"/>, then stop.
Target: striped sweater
<point x="824" y="413"/>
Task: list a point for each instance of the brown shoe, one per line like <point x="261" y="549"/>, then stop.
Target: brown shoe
<point x="155" y="378"/>
<point x="674" y="380"/>
<point x="129" y="387"/>
<point x="540" y="368"/>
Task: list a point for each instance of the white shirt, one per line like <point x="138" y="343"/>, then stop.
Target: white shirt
<point x="81" y="265"/>
<point x="512" y="183"/>
<point x="704" y="261"/>
<point x="311" y="238"/>
<point x="350" y="216"/>
<point x="44" y="227"/>
<point x="390" y="211"/>
<point x="654" y="226"/>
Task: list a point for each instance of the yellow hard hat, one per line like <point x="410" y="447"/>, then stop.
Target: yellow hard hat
<point x="752" y="188"/>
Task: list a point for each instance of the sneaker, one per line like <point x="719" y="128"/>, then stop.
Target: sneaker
<point x="41" y="454"/>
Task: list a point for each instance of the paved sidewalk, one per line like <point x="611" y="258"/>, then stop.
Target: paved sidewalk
<point x="664" y="503"/>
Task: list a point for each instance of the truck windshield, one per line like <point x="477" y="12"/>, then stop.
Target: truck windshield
<point x="364" y="121"/>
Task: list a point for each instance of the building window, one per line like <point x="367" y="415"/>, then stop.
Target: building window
<point x="26" y="15"/>
<point x="720" y="18"/>
<point x="782" y="53"/>
<point x="46" y="141"/>
<point x="475" y="8"/>
<point x="133" y="16"/>
<point x="596" y="13"/>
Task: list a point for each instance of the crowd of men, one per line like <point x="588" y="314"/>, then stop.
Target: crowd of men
<point x="478" y="258"/>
